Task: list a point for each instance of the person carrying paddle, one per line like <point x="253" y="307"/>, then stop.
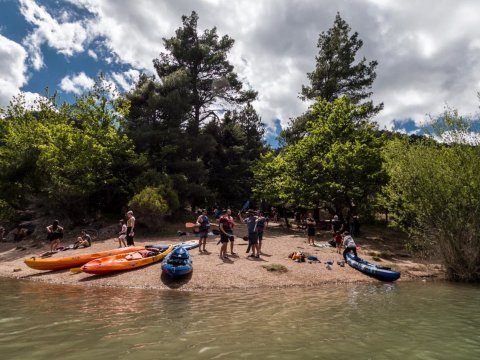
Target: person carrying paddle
<point x="54" y="234"/>
<point x="204" y="228"/>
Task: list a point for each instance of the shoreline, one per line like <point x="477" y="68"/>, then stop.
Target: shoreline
<point x="238" y="272"/>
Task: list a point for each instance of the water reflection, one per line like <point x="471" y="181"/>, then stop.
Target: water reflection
<point x="381" y="321"/>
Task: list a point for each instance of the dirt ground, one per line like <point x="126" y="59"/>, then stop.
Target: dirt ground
<point x="376" y="244"/>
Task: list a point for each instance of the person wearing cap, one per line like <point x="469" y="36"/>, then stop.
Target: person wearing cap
<point x="251" y="222"/>
<point x="54" y="234"/>
<point x="226" y="233"/>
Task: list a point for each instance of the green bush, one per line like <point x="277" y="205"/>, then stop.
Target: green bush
<point x="149" y="206"/>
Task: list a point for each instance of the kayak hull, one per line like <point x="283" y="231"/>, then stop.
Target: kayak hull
<point x="370" y="269"/>
<point x="54" y="263"/>
<point x="122" y="262"/>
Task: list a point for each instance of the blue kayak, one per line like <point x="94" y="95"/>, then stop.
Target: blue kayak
<point x="178" y="263"/>
<point x="376" y="271"/>
<point x="187" y="245"/>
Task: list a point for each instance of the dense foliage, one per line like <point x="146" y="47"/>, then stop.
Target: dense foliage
<point x="72" y="156"/>
<point x="336" y="166"/>
<point x="434" y="194"/>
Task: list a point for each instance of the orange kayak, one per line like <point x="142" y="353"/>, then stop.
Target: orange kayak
<point x="128" y="261"/>
<point x="68" y="262"/>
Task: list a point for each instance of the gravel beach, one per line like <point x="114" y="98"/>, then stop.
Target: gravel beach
<point x="238" y="272"/>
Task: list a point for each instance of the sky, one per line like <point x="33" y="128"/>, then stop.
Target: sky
<point x="428" y="51"/>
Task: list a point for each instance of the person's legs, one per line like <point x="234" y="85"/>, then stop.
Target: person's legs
<point x="231" y="245"/>
<point x="54" y="244"/>
<point x="260" y="239"/>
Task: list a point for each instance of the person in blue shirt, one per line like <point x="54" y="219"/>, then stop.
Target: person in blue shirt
<point x="251" y="222"/>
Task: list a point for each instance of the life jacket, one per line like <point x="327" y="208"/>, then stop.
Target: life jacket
<point x="205" y="224"/>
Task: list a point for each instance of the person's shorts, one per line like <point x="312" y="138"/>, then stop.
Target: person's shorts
<point x="122" y="237"/>
<point x="226" y="238"/>
<point x="260" y="235"/>
<point x="203" y="234"/>
<point x="311" y="231"/>
<point x="54" y="236"/>
<point x="252" y="238"/>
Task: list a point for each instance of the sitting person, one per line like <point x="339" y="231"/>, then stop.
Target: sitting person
<point x="19" y="233"/>
<point x="349" y="245"/>
<point x="54" y="234"/>
<point x="84" y="240"/>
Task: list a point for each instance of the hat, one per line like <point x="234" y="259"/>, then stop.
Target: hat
<point x="250" y="211"/>
<point x="335" y="217"/>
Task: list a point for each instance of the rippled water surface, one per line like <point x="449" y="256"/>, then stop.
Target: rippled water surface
<point x="382" y="321"/>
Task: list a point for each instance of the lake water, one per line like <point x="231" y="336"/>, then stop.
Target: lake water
<point x="417" y="320"/>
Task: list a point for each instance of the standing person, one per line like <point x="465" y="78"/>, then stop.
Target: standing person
<point x="349" y="245"/>
<point x="2" y="233"/>
<point x="251" y="221"/>
<point x="226" y="232"/>
<point x="204" y="228"/>
<point x="122" y="234"/>
<point x="311" y="224"/>
<point x="261" y="226"/>
<point x="337" y="229"/>
<point x="130" y="228"/>
<point x="54" y="234"/>
<point x="84" y="240"/>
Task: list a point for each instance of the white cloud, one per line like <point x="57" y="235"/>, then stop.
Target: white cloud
<point x="92" y="54"/>
<point x="428" y="52"/>
<point x="77" y="84"/>
<point x="12" y="69"/>
<point x="66" y="37"/>
<point x="127" y="79"/>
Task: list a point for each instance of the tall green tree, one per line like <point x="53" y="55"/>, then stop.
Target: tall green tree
<point x="239" y="139"/>
<point x="337" y="73"/>
<point x="337" y="165"/>
<point x="212" y="83"/>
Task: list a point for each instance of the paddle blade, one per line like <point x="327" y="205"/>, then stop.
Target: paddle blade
<point x="190" y="225"/>
<point x="246" y="204"/>
<point x="76" y="270"/>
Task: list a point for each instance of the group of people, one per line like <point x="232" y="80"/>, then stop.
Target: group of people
<point x="341" y="238"/>
<point x="256" y="224"/>
<point x="126" y="233"/>
<point x="55" y="233"/>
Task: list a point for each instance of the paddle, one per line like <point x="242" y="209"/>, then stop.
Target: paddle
<point x="76" y="270"/>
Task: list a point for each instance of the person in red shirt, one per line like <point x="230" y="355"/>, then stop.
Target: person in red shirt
<point x="226" y="233"/>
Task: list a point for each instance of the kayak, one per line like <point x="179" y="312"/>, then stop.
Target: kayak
<point x="187" y="245"/>
<point x="146" y="256"/>
<point x="53" y="263"/>
<point x="376" y="271"/>
<point x="178" y="263"/>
